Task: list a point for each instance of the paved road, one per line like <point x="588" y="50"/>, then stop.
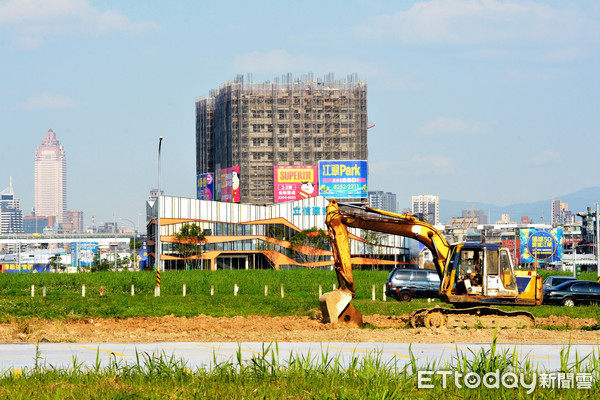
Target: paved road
<point x="199" y="354"/>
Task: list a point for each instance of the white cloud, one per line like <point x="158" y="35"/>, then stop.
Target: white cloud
<point x="481" y="21"/>
<point x="47" y="101"/>
<point x="31" y="22"/>
<point x="444" y="126"/>
<point x="278" y="61"/>
<point x="432" y="165"/>
<point x="545" y="157"/>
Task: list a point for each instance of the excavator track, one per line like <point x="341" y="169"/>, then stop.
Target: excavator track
<point x="474" y="317"/>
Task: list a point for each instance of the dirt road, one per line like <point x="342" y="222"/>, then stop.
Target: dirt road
<point x="282" y="329"/>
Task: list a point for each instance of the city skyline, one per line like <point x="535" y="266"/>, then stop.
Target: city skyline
<point x="500" y="92"/>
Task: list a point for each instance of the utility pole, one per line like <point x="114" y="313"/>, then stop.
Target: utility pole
<point x="597" y="242"/>
<point x="158" y="244"/>
<point x="116" y="243"/>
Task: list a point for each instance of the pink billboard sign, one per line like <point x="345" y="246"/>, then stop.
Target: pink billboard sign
<point x="230" y="184"/>
<point x="295" y="182"/>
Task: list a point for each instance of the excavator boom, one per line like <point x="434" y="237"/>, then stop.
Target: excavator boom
<point x="406" y="225"/>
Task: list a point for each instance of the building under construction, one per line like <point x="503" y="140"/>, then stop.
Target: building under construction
<point x="288" y="122"/>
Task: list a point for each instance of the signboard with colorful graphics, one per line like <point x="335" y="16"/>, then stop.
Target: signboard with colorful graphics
<point x="343" y="179"/>
<point x="295" y="182"/>
<point x="205" y="186"/>
<point x="230" y="184"/>
<point x="83" y="253"/>
<point x="543" y="245"/>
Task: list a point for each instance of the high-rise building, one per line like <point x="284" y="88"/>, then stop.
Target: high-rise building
<point x="290" y="123"/>
<point x="428" y="206"/>
<point x="51" y="178"/>
<point x="382" y="201"/>
<point x="11" y="216"/>
<point x="561" y="214"/>
<point x="75" y="220"/>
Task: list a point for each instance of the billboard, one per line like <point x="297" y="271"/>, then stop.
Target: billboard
<point x="205" y="186"/>
<point x="343" y="179"/>
<point x="542" y="245"/>
<point x="295" y="182"/>
<point x="84" y="252"/>
<point x="229" y="184"/>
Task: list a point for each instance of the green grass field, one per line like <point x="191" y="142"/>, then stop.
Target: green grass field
<point x="64" y="299"/>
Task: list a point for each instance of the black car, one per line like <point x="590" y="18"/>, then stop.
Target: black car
<point x="404" y="284"/>
<point x="573" y="292"/>
<point x="555" y="280"/>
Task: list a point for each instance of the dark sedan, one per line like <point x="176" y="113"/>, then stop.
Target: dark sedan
<point x="573" y="293"/>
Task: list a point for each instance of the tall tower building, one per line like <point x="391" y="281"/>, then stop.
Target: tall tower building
<point x="290" y="123"/>
<point x="51" y="178"/>
<point x="428" y="206"/>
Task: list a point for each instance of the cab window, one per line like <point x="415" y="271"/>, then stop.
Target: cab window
<point x="508" y="278"/>
<point x="492" y="262"/>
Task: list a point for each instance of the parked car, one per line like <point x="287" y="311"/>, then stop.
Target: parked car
<point x="573" y="292"/>
<point x="553" y="281"/>
<point x="404" y="284"/>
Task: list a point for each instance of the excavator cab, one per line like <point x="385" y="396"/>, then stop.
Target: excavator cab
<point x="479" y="273"/>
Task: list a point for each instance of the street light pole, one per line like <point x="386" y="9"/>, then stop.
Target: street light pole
<point x="158" y="244"/>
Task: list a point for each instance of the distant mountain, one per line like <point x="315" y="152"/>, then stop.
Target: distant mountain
<point x="539" y="211"/>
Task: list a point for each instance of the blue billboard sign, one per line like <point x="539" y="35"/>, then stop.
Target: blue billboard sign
<point x="542" y="245"/>
<point x="84" y="252"/>
<point x="205" y="186"/>
<point x="343" y="179"/>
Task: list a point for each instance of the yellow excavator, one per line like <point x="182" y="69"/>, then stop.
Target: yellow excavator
<point x="473" y="276"/>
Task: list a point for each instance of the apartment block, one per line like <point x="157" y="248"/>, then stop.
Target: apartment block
<point x="288" y="122"/>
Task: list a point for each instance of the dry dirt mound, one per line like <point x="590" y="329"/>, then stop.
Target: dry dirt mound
<point x="283" y="329"/>
<point x="554" y="320"/>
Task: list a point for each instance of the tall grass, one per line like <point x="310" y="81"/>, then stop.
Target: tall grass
<point x="301" y="376"/>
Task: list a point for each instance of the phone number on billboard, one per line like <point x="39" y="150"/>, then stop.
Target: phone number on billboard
<point x="347" y="186"/>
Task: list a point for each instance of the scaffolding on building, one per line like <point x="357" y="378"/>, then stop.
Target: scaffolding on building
<point x="286" y="122"/>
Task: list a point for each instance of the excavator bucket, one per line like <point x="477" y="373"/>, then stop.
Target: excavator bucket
<point x="336" y="307"/>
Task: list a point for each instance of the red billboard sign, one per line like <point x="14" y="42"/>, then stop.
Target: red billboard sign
<point x="295" y="182"/>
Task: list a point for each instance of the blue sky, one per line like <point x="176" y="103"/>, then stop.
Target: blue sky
<point x="489" y="101"/>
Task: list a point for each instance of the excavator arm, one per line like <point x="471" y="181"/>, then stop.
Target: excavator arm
<point x="335" y="305"/>
<point x="406" y="225"/>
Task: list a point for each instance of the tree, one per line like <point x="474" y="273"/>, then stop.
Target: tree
<point x="372" y="246"/>
<point x="135" y="244"/>
<point x="56" y="262"/>
<point x="309" y="243"/>
<point x="99" y="263"/>
<point x="189" y="239"/>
